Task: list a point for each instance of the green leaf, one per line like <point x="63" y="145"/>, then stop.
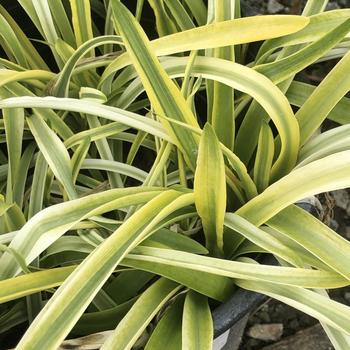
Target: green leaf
<point x="281" y="275"/>
<point x="210" y="189"/>
<point x="167" y="333"/>
<point x="14" y="124"/>
<point x="54" y="152"/>
<point x="314" y="236"/>
<point x="128" y="284"/>
<point x="328" y="311"/>
<point x="32" y="56"/>
<point x="61" y="85"/>
<point x="78" y="157"/>
<point x="164" y="96"/>
<point x="197" y="323"/>
<point x="312" y="113"/>
<point x="116" y="167"/>
<point x="300" y="183"/>
<point x="178" y="11"/>
<point x="72" y="298"/>
<point x="14" y="288"/>
<point x="260" y="238"/>
<point x="264" y="157"/>
<point x="284" y="68"/>
<point x="325" y="144"/>
<point x="62" y="21"/>
<point x="81" y="18"/>
<point x="216" y="287"/>
<point x="219" y="34"/>
<point x="44" y="228"/>
<point x="164" y="23"/>
<point x="165" y="238"/>
<point x="319" y="25"/>
<point x="21" y="181"/>
<point x="124" y="117"/>
<point x="37" y="197"/>
<point x="12" y="43"/>
<point x="252" y="83"/>
<point x="222" y="100"/>
<point x="141" y="314"/>
<point x="299" y="92"/>
<point x="47" y="25"/>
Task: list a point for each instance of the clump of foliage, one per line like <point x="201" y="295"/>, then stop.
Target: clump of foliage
<point x="141" y="178"/>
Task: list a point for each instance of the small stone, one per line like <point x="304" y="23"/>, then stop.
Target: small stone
<point x="332" y="6"/>
<point x="344" y="3"/>
<point x="265" y="317"/>
<point x="294" y="325"/>
<point x="347" y="296"/>
<point x="347" y="232"/>
<point x="273" y="6"/>
<point x="266" y="332"/>
<point x="306" y="339"/>
<point x="341" y="198"/>
<point x="333" y="224"/>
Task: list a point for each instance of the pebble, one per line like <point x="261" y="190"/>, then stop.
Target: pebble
<point x="347" y="296"/>
<point x="266" y="332"/>
<point x="273" y="6"/>
<point x="347" y="232"/>
<point x="341" y="198"/>
<point x="332" y="6"/>
<point x="294" y="324"/>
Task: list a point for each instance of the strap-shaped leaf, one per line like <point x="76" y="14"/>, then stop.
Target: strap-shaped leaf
<point x="219" y="34"/>
<point x="262" y="239"/>
<point x="251" y="82"/>
<point x="281" y="69"/>
<point x="81" y="18"/>
<point x="181" y="16"/>
<point x="14" y="124"/>
<point x="115" y="167"/>
<point x="216" y="287"/>
<point x="60" y="87"/>
<point x="314" y="236"/>
<point x="32" y="55"/>
<point x="115" y="114"/>
<point x="281" y="275"/>
<point x="210" y="189"/>
<point x="15" y="288"/>
<point x="264" y="157"/>
<point x="325" y="144"/>
<point x="78" y="157"/>
<point x="337" y="81"/>
<point x="299" y="92"/>
<point x="72" y="298"/>
<point x="44" y="228"/>
<point x="197" y="323"/>
<point x="326" y="310"/>
<point x="221" y="103"/>
<point x="11" y="41"/>
<point x="103" y="147"/>
<point x="62" y="21"/>
<point x="164" y="23"/>
<point x="54" y="152"/>
<point x="165" y="97"/>
<point x="319" y="25"/>
<point x="300" y="183"/>
<point x="167" y="333"/>
<point x="45" y="19"/>
<point x="141" y="314"/>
